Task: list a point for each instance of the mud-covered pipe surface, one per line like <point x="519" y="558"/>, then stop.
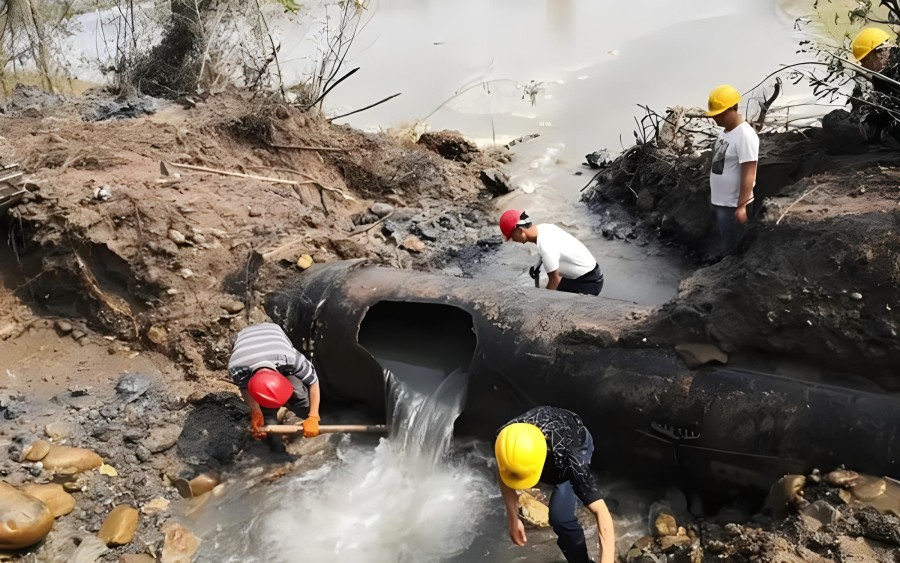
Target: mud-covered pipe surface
<point x="648" y="413"/>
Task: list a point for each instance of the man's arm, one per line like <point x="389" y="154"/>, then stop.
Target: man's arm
<point x="514" y="523"/>
<point x="256" y="416"/>
<point x="555" y="279"/>
<point x="748" y="180"/>
<point x="605" y="531"/>
<point x="314" y="399"/>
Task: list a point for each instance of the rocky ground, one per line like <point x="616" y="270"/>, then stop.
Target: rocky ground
<point x="125" y="277"/>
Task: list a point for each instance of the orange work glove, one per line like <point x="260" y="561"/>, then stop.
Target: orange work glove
<point x="256" y="424"/>
<point x="311" y="427"/>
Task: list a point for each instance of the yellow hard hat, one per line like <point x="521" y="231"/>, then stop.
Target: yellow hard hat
<point x="521" y="450"/>
<point x="867" y="41"/>
<point x="722" y="98"/>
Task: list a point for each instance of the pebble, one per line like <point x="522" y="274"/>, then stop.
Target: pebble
<point x="665" y="525"/>
<point x="155" y="506"/>
<point x="64" y="327"/>
<point x="234" y="306"/>
<point x="199" y="239"/>
<point x="54" y="496"/>
<point x="24" y="520"/>
<point x="120" y="526"/>
<point x="255" y="212"/>
<point x="176" y="236"/>
<point x="36" y="469"/>
<point x="204" y="483"/>
<point x="157" y="335"/>
<point x="179" y="545"/>
<point x="78" y="334"/>
<point x="36" y="451"/>
<point x="305" y="261"/>
<point x="130" y="386"/>
<point x="186" y="273"/>
<point x="842" y="478"/>
<point x="161" y="437"/>
<point x="69" y="460"/>
<point x="59" y="430"/>
<point x="856" y="296"/>
<point x="413" y="244"/>
<point x="381" y="210"/>
<point x="138" y="558"/>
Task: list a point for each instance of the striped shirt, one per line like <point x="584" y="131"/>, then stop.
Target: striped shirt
<point x="267" y="346"/>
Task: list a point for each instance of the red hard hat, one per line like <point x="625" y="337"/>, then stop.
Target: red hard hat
<point x="269" y="388"/>
<point x="509" y="221"/>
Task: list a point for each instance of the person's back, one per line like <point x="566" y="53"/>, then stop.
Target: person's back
<point x="560" y="250"/>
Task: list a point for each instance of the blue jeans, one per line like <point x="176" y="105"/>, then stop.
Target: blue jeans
<point x="570" y="534"/>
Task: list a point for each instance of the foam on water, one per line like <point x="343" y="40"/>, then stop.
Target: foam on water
<point x="403" y="501"/>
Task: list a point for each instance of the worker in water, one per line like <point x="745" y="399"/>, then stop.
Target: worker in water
<point x="570" y="266"/>
<point x="732" y="176"/>
<point x="878" y="109"/>
<point x="552" y="446"/>
<point x="271" y="373"/>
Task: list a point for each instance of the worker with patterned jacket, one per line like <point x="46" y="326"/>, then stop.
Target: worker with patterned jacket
<point x="271" y="373"/>
<point x="552" y="446"/>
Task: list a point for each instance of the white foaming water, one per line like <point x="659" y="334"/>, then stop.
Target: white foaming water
<point x="404" y="501"/>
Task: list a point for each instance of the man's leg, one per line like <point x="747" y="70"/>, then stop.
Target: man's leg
<point x="729" y="228"/>
<point x="570" y="535"/>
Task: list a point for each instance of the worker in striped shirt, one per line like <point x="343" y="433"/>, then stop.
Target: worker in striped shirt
<point x="271" y="373"/>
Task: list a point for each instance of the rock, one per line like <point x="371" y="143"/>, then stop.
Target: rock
<point x="696" y="354"/>
<point x="381" y="210"/>
<point x="137" y="558"/>
<point x="413" y="244"/>
<point x="856" y="550"/>
<point x="108" y="470"/>
<point x="179" y="545"/>
<point x="155" y="506"/>
<point x="868" y="487"/>
<point x="253" y="212"/>
<point x="533" y="511"/>
<point x="120" y="526"/>
<point x="785" y="493"/>
<point x="63" y="327"/>
<point x="157" y="335"/>
<point x="670" y="543"/>
<point x="69" y="460"/>
<point x="89" y="550"/>
<point x="176" y="236"/>
<point x="54" y="496"/>
<point x="24" y="520"/>
<point x="204" y="483"/>
<point x="842" y="478"/>
<point x="818" y="514"/>
<point x="665" y="525"/>
<point x="36" y="451"/>
<point x="198" y="238"/>
<point x="131" y="386"/>
<point x="78" y="334"/>
<point x="305" y="262"/>
<point x="161" y="437"/>
<point x="496" y="181"/>
<point x="234" y="306"/>
<point x="59" y="430"/>
<point x="451" y="145"/>
<point x="856" y="296"/>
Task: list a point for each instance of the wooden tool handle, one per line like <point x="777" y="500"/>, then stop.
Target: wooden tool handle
<point x="328" y="429"/>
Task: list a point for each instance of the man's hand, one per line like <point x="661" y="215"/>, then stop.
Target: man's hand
<point x="256" y="424"/>
<point x="740" y="214"/>
<point x="517" y="531"/>
<point x="311" y="426"/>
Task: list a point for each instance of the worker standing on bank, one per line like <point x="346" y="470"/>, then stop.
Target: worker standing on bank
<point x="732" y="176"/>
<point x="877" y="108"/>
<point x="271" y="373"/>
<point x="570" y="266"/>
<point x="552" y="446"/>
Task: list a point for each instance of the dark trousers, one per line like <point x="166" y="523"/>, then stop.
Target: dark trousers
<point x="590" y="283"/>
<point x="570" y="534"/>
<point x="730" y="231"/>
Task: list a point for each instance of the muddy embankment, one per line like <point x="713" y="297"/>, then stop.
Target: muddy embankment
<point x="817" y="279"/>
<point x="124" y="281"/>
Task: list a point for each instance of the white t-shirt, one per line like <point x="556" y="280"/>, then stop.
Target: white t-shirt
<point x="732" y="149"/>
<point x="561" y="251"/>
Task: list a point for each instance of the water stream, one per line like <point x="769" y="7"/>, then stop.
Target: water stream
<point x="407" y="499"/>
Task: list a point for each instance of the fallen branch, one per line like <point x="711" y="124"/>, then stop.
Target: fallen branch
<point x="311" y="180"/>
<point x="796" y="201"/>
<point x="164" y="169"/>
<point x="365" y="108"/>
<point x="306" y="148"/>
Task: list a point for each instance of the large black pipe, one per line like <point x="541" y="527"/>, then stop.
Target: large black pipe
<point x="648" y="413"/>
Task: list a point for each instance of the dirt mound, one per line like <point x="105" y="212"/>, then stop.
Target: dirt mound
<point x="818" y="275"/>
<point x="178" y="258"/>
